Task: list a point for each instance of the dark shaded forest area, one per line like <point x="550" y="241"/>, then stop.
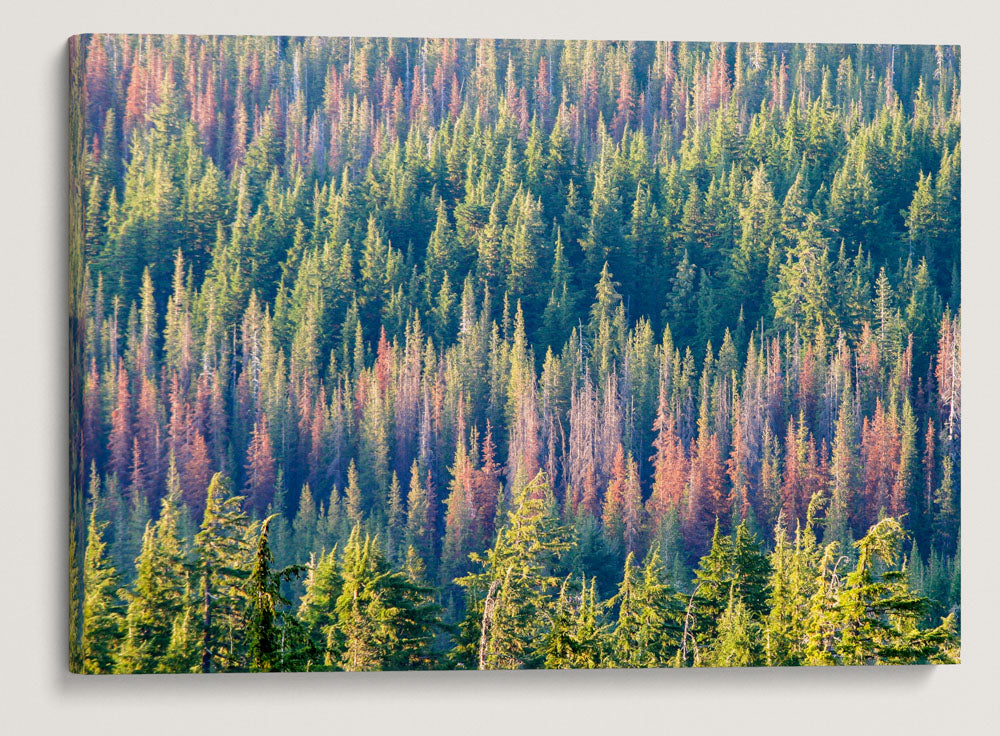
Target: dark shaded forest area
<point x="412" y="353"/>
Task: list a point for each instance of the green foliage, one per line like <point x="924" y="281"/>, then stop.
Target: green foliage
<point x="518" y="583"/>
<point x="877" y="613"/>
<point x="156" y="597"/>
<point x="737" y="641"/>
<point x="276" y="641"/>
<point x="387" y="620"/>
<point x="791" y="587"/>
<point x="102" y="618"/>
<point x="324" y="584"/>
<point x="577" y="638"/>
<point x="869" y="615"/>
<point x="647" y="631"/>
<point x="222" y="554"/>
<point x="732" y="577"/>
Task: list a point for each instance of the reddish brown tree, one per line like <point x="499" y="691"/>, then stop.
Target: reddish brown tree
<point x="485" y="487"/>
<point x="260" y="470"/>
<point x="670" y="466"/>
<point x="120" y="440"/>
<point x="137" y="100"/>
<point x="91" y="419"/>
<point x="707" y="497"/>
<point x="543" y="94"/>
<point x="880" y="449"/>
<point x="147" y="433"/>
<point x="98" y="82"/>
<point x="612" y="520"/>
<point x="196" y="473"/>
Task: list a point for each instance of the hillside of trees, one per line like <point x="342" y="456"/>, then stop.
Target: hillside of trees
<point x="422" y="354"/>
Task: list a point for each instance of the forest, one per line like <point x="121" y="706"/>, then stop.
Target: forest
<point x="495" y="354"/>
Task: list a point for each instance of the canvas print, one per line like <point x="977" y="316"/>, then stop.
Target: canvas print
<point x="415" y="354"/>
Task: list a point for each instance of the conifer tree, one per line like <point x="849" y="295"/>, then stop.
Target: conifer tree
<point x="304" y="524"/>
<point x="260" y="470"/>
<point x="517" y="584"/>
<point x="876" y="614"/>
<point x="275" y="641"/>
<point x="647" y="631"/>
<point x="323" y="586"/>
<point x="576" y="638"/>
<point x="102" y="618"/>
<point x="156" y="597"/>
<point x="419" y="529"/>
<point x="183" y="653"/>
<point x="793" y="572"/>
<point x="222" y="553"/>
<point x="734" y="566"/>
<point x="737" y="641"/>
<point x="383" y="616"/>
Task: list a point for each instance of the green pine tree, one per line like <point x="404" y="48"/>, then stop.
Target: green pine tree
<point x="102" y="619"/>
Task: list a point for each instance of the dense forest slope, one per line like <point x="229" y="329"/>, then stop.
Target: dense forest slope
<point x="408" y="353"/>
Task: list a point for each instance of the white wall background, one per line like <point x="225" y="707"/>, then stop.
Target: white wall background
<point x="37" y="695"/>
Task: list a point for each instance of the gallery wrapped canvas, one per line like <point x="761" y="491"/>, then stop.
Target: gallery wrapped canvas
<point x="394" y="353"/>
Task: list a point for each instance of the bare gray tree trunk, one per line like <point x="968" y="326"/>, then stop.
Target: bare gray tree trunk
<point x="488" y="606"/>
